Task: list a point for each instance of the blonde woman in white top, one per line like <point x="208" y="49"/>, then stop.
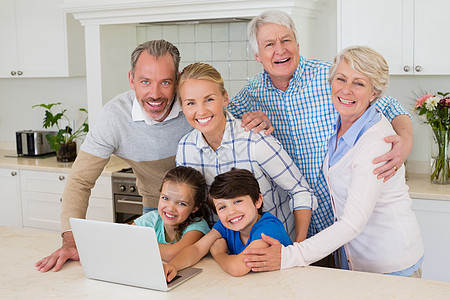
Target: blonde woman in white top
<point x="375" y="229"/>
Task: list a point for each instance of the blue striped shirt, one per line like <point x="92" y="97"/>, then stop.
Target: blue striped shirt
<point x="338" y="148"/>
<point x="303" y="117"/>
<point x="283" y="187"/>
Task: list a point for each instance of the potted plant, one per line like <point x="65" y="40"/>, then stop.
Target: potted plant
<point x="63" y="142"/>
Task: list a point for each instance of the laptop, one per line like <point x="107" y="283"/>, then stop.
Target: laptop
<point x="123" y="254"/>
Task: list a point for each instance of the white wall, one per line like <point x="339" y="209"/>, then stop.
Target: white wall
<point x="223" y="45"/>
<point x="117" y="43"/>
<point x="17" y="96"/>
<point x="324" y="40"/>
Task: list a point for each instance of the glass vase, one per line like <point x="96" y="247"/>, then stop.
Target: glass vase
<point x="67" y="152"/>
<point x="440" y="171"/>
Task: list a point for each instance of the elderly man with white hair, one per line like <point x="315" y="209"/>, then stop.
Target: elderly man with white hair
<point x="293" y="94"/>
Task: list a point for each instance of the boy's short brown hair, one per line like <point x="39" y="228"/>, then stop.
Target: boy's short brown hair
<point x="233" y="184"/>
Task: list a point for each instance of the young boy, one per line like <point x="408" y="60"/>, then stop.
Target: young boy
<point x="236" y="198"/>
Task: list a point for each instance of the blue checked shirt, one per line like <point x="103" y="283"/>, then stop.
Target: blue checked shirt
<point x="283" y="187"/>
<point x="303" y="117"/>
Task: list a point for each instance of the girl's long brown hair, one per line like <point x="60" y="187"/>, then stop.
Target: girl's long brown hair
<point x="196" y="181"/>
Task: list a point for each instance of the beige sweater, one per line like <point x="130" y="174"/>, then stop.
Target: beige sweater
<point x="87" y="168"/>
<point x="119" y="129"/>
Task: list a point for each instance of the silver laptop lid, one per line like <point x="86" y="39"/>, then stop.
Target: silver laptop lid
<point x="122" y="253"/>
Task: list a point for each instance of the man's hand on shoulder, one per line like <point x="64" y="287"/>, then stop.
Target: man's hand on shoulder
<point x="402" y="144"/>
<point x="57" y="259"/>
<point x="257" y="121"/>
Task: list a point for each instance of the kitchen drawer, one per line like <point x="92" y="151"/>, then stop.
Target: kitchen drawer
<point x="43" y="210"/>
<point x="102" y="188"/>
<point x="100" y="209"/>
<point x="54" y="182"/>
<point x="46" y="182"/>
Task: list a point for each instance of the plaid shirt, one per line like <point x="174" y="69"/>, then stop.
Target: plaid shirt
<point x="283" y="187"/>
<point x="303" y="117"/>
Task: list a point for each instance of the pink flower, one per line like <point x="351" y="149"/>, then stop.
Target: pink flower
<point x="421" y="100"/>
<point x="445" y="102"/>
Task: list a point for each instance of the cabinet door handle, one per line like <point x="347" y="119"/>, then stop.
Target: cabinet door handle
<point x="406" y="68"/>
<point x="61" y="177"/>
<point x="13" y="173"/>
<point x="418" y="69"/>
<point x="13" y="73"/>
<point x="19" y="73"/>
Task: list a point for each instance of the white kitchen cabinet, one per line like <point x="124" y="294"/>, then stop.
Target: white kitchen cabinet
<point x="38" y="39"/>
<point x="10" y="206"/>
<point x="41" y="194"/>
<point x="434" y="220"/>
<point x="410" y="34"/>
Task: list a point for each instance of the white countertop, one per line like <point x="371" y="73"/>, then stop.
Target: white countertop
<point x="420" y="187"/>
<point x="9" y="159"/>
<point x="21" y="248"/>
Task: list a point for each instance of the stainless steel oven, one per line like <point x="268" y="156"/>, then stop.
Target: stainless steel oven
<point x="127" y="201"/>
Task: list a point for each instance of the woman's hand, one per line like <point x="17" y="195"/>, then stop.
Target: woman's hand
<point x="257" y="121"/>
<point x="264" y="259"/>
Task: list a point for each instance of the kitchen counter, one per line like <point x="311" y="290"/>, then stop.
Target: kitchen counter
<point x="21" y="248"/>
<point x="9" y="159"/>
<point x="420" y="187"/>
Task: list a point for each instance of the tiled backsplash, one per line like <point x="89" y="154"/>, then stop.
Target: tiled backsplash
<point x="223" y="45"/>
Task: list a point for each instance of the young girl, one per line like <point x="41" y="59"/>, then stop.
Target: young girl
<point x="219" y="143"/>
<point x="182" y="211"/>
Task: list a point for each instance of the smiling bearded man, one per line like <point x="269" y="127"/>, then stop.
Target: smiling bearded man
<point x="142" y="126"/>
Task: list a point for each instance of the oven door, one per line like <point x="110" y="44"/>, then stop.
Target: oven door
<point x="127" y="207"/>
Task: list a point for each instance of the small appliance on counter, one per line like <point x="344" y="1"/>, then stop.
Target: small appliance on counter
<point x="33" y="142"/>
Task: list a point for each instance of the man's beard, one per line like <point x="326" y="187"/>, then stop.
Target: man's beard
<point x="157" y="115"/>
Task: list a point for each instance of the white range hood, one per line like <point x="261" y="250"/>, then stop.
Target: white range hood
<point x="104" y="12"/>
<point x="96" y="15"/>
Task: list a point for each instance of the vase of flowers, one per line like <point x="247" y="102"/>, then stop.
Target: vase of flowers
<point x="434" y="109"/>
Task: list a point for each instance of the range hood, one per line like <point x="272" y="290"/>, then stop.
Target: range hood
<point x="93" y="14"/>
<point x="105" y="12"/>
<point x="202" y="21"/>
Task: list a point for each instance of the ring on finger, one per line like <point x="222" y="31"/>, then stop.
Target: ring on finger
<point x="267" y="124"/>
<point x="264" y="263"/>
<point x="395" y="169"/>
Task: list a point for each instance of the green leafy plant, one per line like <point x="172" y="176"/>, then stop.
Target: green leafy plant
<point x="65" y="135"/>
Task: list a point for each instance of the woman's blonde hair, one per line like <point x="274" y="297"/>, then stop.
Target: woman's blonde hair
<point x="367" y="62"/>
<point x="200" y="71"/>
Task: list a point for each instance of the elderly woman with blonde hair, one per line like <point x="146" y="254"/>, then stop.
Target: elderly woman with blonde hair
<point x="375" y="229"/>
